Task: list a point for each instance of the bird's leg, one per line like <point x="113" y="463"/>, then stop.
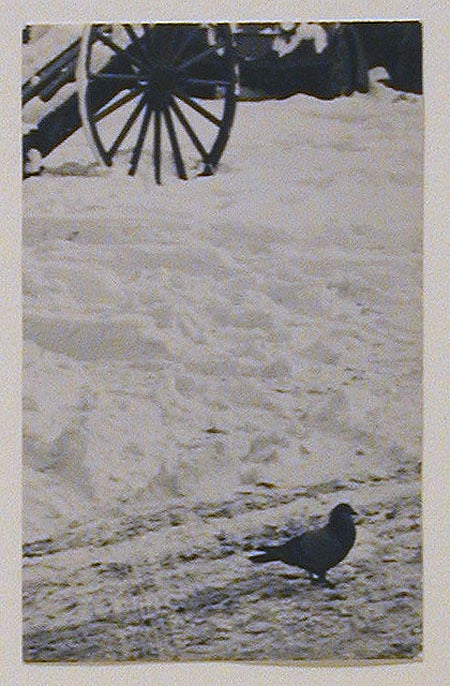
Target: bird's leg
<point x="325" y="582"/>
<point x="321" y="580"/>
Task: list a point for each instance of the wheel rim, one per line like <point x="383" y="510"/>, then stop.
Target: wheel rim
<point x="161" y="94"/>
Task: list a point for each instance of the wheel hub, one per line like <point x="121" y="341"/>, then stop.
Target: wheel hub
<point x="159" y="83"/>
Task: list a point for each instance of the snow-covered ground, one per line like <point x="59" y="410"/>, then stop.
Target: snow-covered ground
<point x="246" y="345"/>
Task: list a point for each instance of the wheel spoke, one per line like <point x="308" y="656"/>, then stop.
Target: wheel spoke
<point x="115" y="105"/>
<point x="159" y="41"/>
<point x="207" y="82"/>
<point x="136" y="42"/>
<point x="140" y="141"/>
<point x="171" y="43"/>
<point x="175" y="145"/>
<point x="117" y="49"/>
<point x="192" y="32"/>
<point x="149" y="43"/>
<point x="125" y="130"/>
<point x="140" y="42"/>
<point x="153" y="36"/>
<point x="198" y="108"/>
<point x="174" y="40"/>
<point x="132" y="79"/>
<point x="157" y="147"/>
<point x="189" y="130"/>
<point x="200" y="57"/>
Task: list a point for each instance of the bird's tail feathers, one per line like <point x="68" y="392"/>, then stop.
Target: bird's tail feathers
<point x="269" y="555"/>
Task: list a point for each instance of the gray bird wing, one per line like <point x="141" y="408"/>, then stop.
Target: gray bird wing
<point x="315" y="551"/>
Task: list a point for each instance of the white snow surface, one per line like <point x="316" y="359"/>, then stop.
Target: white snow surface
<point x="198" y="339"/>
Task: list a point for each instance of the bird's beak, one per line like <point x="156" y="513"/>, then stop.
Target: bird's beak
<point x="353" y="512"/>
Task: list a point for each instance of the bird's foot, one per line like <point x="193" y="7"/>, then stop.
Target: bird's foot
<point x="320" y="581"/>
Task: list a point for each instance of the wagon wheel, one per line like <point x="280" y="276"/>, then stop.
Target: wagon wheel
<point x="170" y="85"/>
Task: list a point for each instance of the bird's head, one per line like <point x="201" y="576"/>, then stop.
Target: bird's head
<point x="341" y="511"/>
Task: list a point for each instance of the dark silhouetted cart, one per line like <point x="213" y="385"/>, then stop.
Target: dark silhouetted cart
<point x="164" y="95"/>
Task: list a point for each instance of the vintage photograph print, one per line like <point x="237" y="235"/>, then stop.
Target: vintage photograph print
<point x="222" y="341"/>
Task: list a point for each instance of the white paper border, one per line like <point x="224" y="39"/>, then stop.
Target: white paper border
<point x="434" y="667"/>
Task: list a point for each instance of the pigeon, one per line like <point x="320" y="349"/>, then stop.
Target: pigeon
<point x="318" y="550"/>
